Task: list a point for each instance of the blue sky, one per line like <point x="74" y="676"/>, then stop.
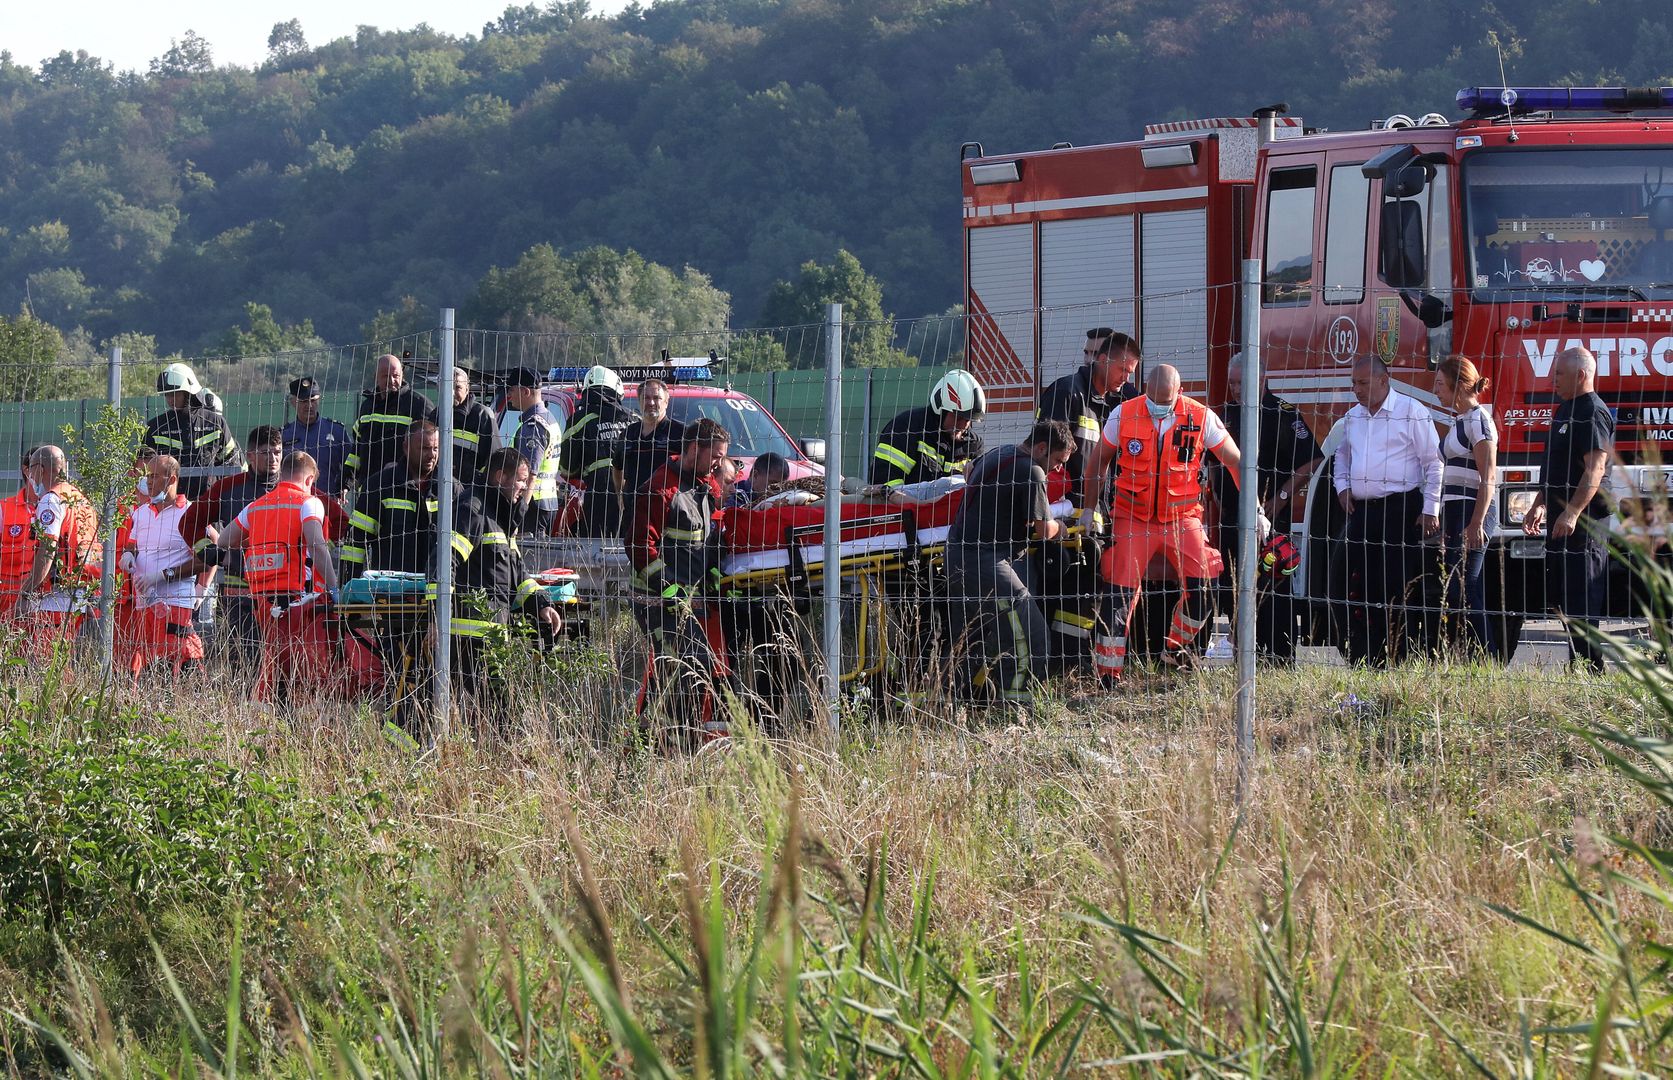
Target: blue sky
<point x="129" y="34"/>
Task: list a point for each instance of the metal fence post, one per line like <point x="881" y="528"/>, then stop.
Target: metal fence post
<point x="1248" y="504"/>
<point x="865" y="426"/>
<point x="107" y="575"/>
<point x="833" y="514"/>
<point x="442" y="687"/>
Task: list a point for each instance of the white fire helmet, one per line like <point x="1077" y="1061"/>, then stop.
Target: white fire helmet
<point x="602" y="377"/>
<point x="959" y="392"/>
<point x="178" y="377"/>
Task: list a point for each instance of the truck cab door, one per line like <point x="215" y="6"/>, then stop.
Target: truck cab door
<point x="1411" y="239"/>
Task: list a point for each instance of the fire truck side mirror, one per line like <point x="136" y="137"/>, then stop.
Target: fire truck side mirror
<point x="1433" y="313"/>
<point x="1400" y="245"/>
<point x="1407" y="183"/>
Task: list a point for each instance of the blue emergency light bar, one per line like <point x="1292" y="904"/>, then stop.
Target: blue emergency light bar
<point x="1489" y="101"/>
<point x="676" y="373"/>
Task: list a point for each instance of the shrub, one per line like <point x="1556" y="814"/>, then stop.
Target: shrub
<point x="100" y="815"/>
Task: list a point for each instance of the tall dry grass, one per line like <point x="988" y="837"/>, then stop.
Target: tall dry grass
<point x="962" y="895"/>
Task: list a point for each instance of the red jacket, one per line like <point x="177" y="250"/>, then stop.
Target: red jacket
<point x="675" y="543"/>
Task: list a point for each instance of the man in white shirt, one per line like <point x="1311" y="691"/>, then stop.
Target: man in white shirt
<point x="164" y="571"/>
<point x="1388" y="475"/>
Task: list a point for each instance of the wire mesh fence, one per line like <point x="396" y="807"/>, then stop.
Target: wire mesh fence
<point x="1030" y="501"/>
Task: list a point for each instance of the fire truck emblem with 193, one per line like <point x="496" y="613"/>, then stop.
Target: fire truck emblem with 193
<point x="1540" y="221"/>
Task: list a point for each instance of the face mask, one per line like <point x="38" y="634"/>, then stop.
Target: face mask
<point x="144" y="486"/>
<point x="37" y="487"/>
<point x="1158" y="412"/>
<point x="160" y="498"/>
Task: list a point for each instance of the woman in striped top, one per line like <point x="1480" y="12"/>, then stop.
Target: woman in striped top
<point x="1470" y="450"/>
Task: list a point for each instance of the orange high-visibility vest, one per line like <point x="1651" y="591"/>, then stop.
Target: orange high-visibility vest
<point x="274" y="552"/>
<point x="17" y="541"/>
<point x="1159" y="483"/>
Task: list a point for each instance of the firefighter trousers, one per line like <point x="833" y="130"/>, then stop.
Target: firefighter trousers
<point x="685" y="671"/>
<point x="1004" y="629"/>
<point x="764" y="650"/>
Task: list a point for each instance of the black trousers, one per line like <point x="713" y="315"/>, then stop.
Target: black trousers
<point x="1382" y="574"/>
<point x="238" y="632"/>
<point x="1003" y="626"/>
<point x="764" y="650"/>
<point x="1576" y="574"/>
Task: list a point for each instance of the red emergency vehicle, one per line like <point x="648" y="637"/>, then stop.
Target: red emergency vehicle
<point x="1540" y="220"/>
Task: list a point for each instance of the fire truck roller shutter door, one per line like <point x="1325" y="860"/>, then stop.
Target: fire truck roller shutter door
<point x="1086" y="264"/>
<point x="1173" y="273"/>
<point x="1002" y="345"/>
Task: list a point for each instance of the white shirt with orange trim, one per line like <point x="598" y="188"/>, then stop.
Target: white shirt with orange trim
<point x="157" y="546"/>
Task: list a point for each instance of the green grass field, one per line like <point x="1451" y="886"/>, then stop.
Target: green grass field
<point x="191" y="887"/>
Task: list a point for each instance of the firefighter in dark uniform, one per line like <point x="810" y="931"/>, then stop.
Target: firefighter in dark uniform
<point x="387" y="413"/>
<point x="476" y="435"/>
<point x="1067" y="579"/>
<point x="931" y="442"/>
<point x="393" y="527"/>
<point x="494" y="583"/>
<point x="1287" y="456"/>
<point x="1004" y="507"/>
<point x="674" y="548"/>
<point x="934" y="440"/>
<point x="591" y="443"/>
<point x="189" y="431"/>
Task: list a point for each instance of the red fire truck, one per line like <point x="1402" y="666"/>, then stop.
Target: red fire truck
<point x="1539" y="221"/>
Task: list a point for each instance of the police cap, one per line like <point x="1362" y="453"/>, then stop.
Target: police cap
<point x="304" y="388"/>
<point x="522" y="377"/>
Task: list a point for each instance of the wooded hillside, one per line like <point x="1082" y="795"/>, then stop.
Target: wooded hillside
<point x="740" y="138"/>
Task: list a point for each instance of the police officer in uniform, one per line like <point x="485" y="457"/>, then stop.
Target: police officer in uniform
<point x="1004" y="507"/>
<point x="591" y="443"/>
<point x="320" y="437"/>
<point x="536" y="436"/>
<point x="475" y="434"/>
<point x="935" y="440"/>
<point x="1285" y="459"/>
<point x="674" y="549"/>
<point x="189" y="431"/>
<point x="387" y="414"/>
<point x="494" y="583"/>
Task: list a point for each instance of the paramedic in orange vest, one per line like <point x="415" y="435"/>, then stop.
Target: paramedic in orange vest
<point x="54" y="595"/>
<point x="291" y="574"/>
<point x="17" y="542"/>
<point x="1156" y="444"/>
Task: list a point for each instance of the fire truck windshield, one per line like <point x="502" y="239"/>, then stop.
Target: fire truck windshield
<point x="1592" y="221"/>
